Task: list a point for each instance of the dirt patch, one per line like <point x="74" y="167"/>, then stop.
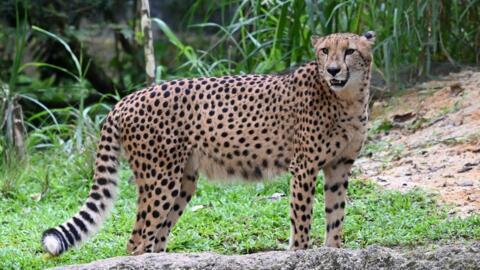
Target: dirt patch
<point x="429" y="137"/>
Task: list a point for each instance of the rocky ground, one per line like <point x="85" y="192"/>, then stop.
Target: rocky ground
<point x="448" y="257"/>
<point x="429" y="137"/>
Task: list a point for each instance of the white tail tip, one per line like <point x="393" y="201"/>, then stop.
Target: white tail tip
<point x="52" y="244"/>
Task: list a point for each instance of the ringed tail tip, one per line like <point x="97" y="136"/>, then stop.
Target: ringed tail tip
<point x="53" y="242"/>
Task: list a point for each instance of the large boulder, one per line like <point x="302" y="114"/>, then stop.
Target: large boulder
<point x="374" y="257"/>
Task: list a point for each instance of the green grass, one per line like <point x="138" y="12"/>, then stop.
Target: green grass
<point x="235" y="218"/>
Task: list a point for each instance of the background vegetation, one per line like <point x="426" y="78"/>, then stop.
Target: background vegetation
<point x="64" y="63"/>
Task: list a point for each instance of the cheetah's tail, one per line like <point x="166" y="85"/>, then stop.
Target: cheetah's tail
<point x="100" y="200"/>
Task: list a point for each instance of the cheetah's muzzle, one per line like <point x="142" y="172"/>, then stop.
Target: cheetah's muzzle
<point x="338" y="83"/>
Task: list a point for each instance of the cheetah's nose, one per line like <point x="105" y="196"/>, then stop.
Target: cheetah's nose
<point x="333" y="71"/>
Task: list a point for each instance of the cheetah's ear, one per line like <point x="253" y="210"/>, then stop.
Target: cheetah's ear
<point x="369" y="37"/>
<point x="314" y="39"/>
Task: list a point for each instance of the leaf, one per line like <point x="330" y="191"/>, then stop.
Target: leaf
<point x="36" y="196"/>
<point x="74" y="58"/>
<point x="196" y="207"/>
<point x="276" y="196"/>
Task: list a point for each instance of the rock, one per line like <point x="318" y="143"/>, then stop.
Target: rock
<point x="465" y="183"/>
<point x="471" y="164"/>
<point x="456" y="89"/>
<point x="381" y="179"/>
<point x="403" y="117"/>
<point x="474" y="197"/>
<point x="374" y="257"/>
<point x="464" y="169"/>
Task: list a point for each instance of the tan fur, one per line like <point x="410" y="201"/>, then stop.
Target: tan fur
<point x="251" y="127"/>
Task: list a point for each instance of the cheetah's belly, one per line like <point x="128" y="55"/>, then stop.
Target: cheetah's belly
<point x="245" y="163"/>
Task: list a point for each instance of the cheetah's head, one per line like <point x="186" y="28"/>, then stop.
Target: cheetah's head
<point x="344" y="59"/>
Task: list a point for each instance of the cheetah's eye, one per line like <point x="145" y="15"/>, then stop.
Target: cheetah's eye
<point x="325" y="50"/>
<point x="349" y="51"/>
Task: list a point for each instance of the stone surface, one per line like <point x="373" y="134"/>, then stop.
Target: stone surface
<point x="447" y="257"/>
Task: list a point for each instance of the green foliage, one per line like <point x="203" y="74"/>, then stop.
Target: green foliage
<point x="188" y="52"/>
<point x="235" y="218"/>
<point x="266" y="36"/>
<point x="380" y="125"/>
<point x="258" y="38"/>
<point x="12" y="127"/>
<point x="87" y="120"/>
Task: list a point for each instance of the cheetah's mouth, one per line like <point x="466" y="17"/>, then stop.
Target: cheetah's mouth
<point x="338" y="83"/>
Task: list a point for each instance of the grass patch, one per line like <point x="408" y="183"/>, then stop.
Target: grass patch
<point x="234" y="218"/>
<point x="380" y="126"/>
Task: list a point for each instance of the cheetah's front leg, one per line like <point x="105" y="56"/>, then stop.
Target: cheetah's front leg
<point x="335" y="187"/>
<point x="302" y="194"/>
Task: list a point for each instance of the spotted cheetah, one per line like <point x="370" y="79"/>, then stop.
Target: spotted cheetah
<point x="250" y="127"/>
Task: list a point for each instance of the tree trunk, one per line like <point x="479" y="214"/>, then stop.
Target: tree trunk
<point x="13" y="125"/>
<point x="146" y="26"/>
<point x="18" y="128"/>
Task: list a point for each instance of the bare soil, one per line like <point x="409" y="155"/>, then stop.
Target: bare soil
<point x="430" y="140"/>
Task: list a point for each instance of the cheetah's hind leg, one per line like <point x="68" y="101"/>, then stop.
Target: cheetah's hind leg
<point x="188" y="186"/>
<point x="158" y="185"/>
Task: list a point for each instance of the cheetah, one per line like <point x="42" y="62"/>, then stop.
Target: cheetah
<point x="250" y="127"/>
